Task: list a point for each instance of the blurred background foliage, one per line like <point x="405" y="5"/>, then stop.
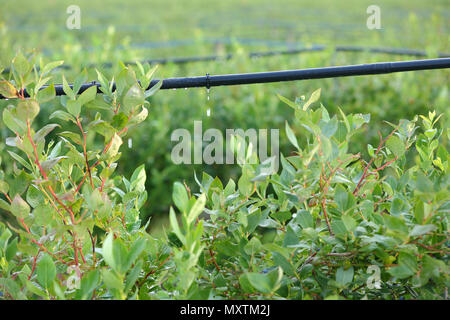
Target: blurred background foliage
<point x="113" y="31"/>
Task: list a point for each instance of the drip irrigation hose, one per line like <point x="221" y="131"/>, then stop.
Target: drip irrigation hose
<point x="209" y="81"/>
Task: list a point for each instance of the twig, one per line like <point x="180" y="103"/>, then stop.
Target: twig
<point x="34" y="264"/>
<point x="85" y="152"/>
<point x="382" y="142"/>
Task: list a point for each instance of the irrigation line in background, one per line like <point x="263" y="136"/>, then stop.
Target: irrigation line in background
<point x="314" y="48"/>
<point x="289" y="75"/>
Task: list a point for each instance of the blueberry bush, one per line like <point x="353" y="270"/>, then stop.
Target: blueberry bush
<point x="331" y="224"/>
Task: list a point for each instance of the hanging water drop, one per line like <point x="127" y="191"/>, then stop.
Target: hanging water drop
<point x="208" y="112"/>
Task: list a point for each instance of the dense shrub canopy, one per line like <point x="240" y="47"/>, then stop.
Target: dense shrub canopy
<point x="333" y="223"/>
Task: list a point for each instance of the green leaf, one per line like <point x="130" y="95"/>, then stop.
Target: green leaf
<point x="137" y="180"/>
<point x="107" y="249"/>
<point x="133" y="275"/>
<point x="282" y="216"/>
<point x="115" y="254"/>
<point x="11" y="250"/>
<point x="196" y="209"/>
<point x="34" y="196"/>
<point x="344" y="199"/>
<point x="89" y="282"/>
<point x="59" y="114"/>
<point x="50" y="66"/>
<point x="329" y="128"/>
<point x="138" y="118"/>
<point x="75" y="137"/>
<point x="87" y="95"/>
<point x="5" y="205"/>
<point x="407" y="266"/>
<point x="349" y="222"/>
<point x="175" y="226"/>
<point x="137" y="248"/>
<point x="314" y="97"/>
<point x="119" y="121"/>
<point x="112" y="280"/>
<point x="50" y="163"/>
<point x="245" y="185"/>
<point x="396" y="145"/>
<point x="21" y="64"/>
<point x="34" y="289"/>
<point x="253" y="246"/>
<point x="43" y="214"/>
<point x="343" y="276"/>
<point x="396" y="224"/>
<point x="284" y="263"/>
<point x="44" y="131"/>
<point x="152" y="90"/>
<point x="180" y="197"/>
<point x="13" y="123"/>
<point x="245" y="283"/>
<point x="20" y="160"/>
<point x="304" y="219"/>
<point x="290" y="238"/>
<point x="46" y="94"/>
<point x="4" y="238"/>
<point x="74" y="107"/>
<point x="103" y="82"/>
<point x="103" y="128"/>
<point x="19" y="207"/>
<point x="419" y="230"/>
<point x="4" y="186"/>
<point x="116" y="142"/>
<point x="27" y="109"/>
<point x="287" y="101"/>
<point x="266" y="283"/>
<point x="79" y="81"/>
<point x="46" y="271"/>
<point x="291" y="136"/>
<point x="344" y="117"/>
<point x="7" y="89"/>
<point x="67" y="90"/>
<point x="133" y="98"/>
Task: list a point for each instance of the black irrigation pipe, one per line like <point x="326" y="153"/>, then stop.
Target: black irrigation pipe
<point x="315" y="48"/>
<point x="289" y="75"/>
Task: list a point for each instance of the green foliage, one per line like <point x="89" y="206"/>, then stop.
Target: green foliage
<point x="63" y="193"/>
<point x="314" y="230"/>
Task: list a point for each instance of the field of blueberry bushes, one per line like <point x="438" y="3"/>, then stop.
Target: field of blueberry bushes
<point x="93" y="206"/>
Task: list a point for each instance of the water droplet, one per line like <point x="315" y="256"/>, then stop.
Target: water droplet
<point x="208" y="111"/>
